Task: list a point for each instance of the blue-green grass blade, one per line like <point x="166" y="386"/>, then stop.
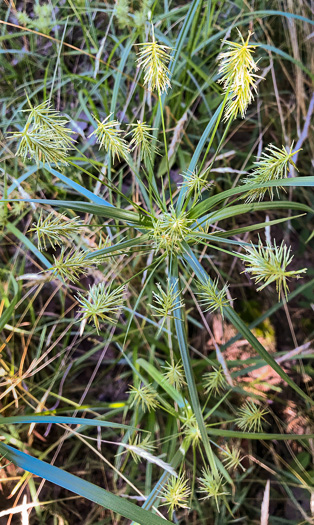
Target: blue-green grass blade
<point x="83" y="191"/>
<point x="66" y="420"/>
<point x="81" y="487"/>
<point x="28" y="244"/>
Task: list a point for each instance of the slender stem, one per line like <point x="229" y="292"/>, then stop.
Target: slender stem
<point x="165" y="143"/>
<point x="214" y="131"/>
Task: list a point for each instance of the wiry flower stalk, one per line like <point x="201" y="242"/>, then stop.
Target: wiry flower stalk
<point x="250" y="417"/>
<point x="237" y="66"/>
<point x="71" y="266"/>
<point x="212" y="486"/>
<point x="101" y="304"/>
<point x="176" y="492"/>
<point x="153" y="58"/>
<point x="144" y="397"/>
<point x="214" y="381"/>
<point x="45" y="137"/>
<point x="268" y="264"/>
<point x="211" y="297"/>
<point x="54" y="228"/>
<point x="166" y="302"/>
<point x="272" y="166"/>
<point x="108" y="136"/>
<point x="142" y="138"/>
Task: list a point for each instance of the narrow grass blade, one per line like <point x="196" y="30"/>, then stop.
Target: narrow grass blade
<point x="66" y="420"/>
<point x="79" y="486"/>
<point x="160" y="379"/>
<point x="209" y="203"/>
<point x="214" y="462"/>
<point x="257" y="435"/>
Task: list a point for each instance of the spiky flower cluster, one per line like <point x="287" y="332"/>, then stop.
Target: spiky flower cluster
<point x="250" y="417"/>
<point x="174" y="374"/>
<point x="108" y="135"/>
<point x="141" y="137"/>
<point x="268" y="264"/>
<point x="211" y="297"/>
<point x="271" y="166"/>
<point x="101" y="304"/>
<point x="54" y="228"/>
<point x="71" y="265"/>
<point x="176" y="492"/>
<point x="195" y="182"/>
<point x="232" y="458"/>
<point x="170" y="230"/>
<point x="45" y="137"/>
<point x="237" y="67"/>
<point x="144" y="397"/>
<point x="153" y="58"/>
<point x="212" y="486"/>
<point x="167" y="302"/>
<point x="191" y="429"/>
<point x="214" y="381"/>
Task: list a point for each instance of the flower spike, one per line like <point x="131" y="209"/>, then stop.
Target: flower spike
<point x="268" y="263"/>
<point x="108" y="136"/>
<point x="271" y="166"/>
<point x="153" y="58"/>
<point x="237" y="67"/>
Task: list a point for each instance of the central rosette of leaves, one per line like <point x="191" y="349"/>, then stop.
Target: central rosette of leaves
<point x="170" y="230"/>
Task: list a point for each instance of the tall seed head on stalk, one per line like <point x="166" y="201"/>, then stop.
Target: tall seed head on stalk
<point x="154" y="59"/>
<point x="54" y="228"/>
<point x="142" y="138"/>
<point x="138" y="447"/>
<point x="109" y="136"/>
<point x="101" y="304"/>
<point x="268" y="264"/>
<point x="71" y="266"/>
<point x="232" y="458"/>
<point x="237" y="68"/>
<point x="45" y="137"/>
<point x="271" y="166"/>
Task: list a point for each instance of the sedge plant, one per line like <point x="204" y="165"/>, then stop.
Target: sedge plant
<point x="171" y="222"/>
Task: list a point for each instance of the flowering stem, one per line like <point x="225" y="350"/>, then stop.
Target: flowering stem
<point x="166" y="148"/>
<point x="215" y="129"/>
<point x="221" y="141"/>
